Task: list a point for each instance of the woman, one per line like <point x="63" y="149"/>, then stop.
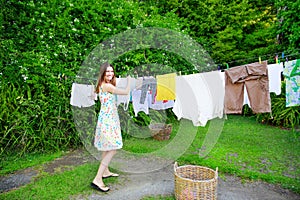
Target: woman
<point x="108" y="132"/>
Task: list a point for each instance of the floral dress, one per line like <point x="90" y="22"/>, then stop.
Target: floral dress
<point x="108" y="131"/>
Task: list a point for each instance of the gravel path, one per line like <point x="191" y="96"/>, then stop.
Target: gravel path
<point x="135" y="186"/>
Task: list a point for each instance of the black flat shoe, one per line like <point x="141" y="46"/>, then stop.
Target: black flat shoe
<point x="93" y="185"/>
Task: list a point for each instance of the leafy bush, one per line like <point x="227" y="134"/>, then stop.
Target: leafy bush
<point x="43" y="45"/>
<point x="30" y="121"/>
<point x="288" y="117"/>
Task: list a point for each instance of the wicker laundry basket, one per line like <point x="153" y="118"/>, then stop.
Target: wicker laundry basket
<point x="195" y="182"/>
<point x="160" y="131"/>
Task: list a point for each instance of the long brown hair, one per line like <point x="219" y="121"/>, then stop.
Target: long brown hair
<point x="103" y="69"/>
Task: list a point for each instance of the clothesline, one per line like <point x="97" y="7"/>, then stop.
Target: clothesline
<point x="93" y="79"/>
<point x="280" y="55"/>
<point x="212" y="94"/>
<point x="260" y="58"/>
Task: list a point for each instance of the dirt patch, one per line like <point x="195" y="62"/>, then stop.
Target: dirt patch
<point x="71" y="160"/>
<point x="16" y="180"/>
<point x="161" y="182"/>
<point x="23" y="177"/>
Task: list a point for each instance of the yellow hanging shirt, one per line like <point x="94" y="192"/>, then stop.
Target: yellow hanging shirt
<point x="166" y="87"/>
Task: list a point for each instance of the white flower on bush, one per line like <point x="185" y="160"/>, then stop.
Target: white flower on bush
<point x="74" y="29"/>
<point x="107" y="28"/>
<point x="76" y="20"/>
<point x="24" y="77"/>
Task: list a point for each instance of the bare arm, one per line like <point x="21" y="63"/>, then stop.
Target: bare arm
<point x="115" y="90"/>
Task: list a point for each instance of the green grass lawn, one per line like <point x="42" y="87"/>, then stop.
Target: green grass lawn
<point x="10" y="163"/>
<point x="255" y="151"/>
<point x="245" y="148"/>
<point x="58" y="186"/>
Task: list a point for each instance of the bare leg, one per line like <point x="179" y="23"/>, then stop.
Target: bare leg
<point x="103" y="166"/>
<point x="106" y="171"/>
<point x="104" y="154"/>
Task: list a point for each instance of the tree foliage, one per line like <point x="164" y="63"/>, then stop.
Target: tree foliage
<point x="231" y="31"/>
<point x="288" y="24"/>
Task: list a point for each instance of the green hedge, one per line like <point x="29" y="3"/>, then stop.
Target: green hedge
<point x="282" y="116"/>
<point x="43" y="45"/>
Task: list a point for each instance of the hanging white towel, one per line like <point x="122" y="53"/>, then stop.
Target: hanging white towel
<point x="274" y="73"/>
<point x="82" y="95"/>
<point x="137" y="106"/>
<point x="160" y="105"/>
<point x="199" y="97"/>
<point x="122" y="83"/>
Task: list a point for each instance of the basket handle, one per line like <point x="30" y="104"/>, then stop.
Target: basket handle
<point x="216" y="173"/>
<point x="175" y="166"/>
<point x="168" y="126"/>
